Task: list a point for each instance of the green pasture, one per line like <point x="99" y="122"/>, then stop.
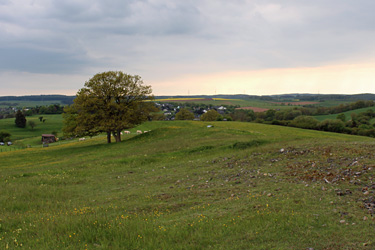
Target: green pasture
<point x="347" y="114"/>
<point x="21" y="137"/>
<point x="183" y="185"/>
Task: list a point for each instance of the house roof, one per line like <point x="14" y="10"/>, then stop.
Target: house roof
<point x="48" y="135"/>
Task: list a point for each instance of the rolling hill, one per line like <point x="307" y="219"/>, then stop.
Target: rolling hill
<point x="184" y="185"/>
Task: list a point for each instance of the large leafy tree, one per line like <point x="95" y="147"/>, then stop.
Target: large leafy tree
<point x="109" y="102"/>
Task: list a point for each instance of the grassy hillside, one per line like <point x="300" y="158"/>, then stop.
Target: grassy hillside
<point x="347" y="114"/>
<point x="186" y="186"/>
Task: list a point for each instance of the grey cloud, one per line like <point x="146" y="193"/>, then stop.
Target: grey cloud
<point x="124" y="17"/>
<point x="37" y="61"/>
<point x="207" y="35"/>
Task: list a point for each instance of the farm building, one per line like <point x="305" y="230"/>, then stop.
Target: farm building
<point x="48" y="138"/>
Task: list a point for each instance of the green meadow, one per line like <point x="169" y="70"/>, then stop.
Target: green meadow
<point x="347" y="114"/>
<point x="23" y="137"/>
<point x="184" y="185"/>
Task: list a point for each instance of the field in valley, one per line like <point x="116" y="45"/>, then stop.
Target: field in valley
<point x="347" y="114"/>
<point x="23" y="137"/>
<point x="184" y="185"/>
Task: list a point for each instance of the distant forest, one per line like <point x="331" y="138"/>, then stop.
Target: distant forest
<point x="37" y="98"/>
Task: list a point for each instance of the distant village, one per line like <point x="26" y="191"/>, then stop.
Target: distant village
<point x="171" y="109"/>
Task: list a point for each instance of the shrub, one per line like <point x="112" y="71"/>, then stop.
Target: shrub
<point x="4" y="136"/>
<point x="32" y="124"/>
<point x="184" y="114"/>
<point x="341" y="117"/>
<point x="332" y="125"/>
<point x="243" y="115"/>
<point x="211" y="115"/>
<point x="307" y="122"/>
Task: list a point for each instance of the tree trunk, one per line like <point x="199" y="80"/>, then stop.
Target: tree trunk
<point x="108" y="137"/>
<point x="118" y="136"/>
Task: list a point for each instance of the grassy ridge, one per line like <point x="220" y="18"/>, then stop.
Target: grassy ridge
<point x="186" y="186"/>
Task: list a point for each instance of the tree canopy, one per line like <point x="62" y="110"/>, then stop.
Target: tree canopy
<point x="184" y="114"/>
<point x="32" y="124"/>
<point x="211" y="115"/>
<point x="4" y="136"/>
<point x="20" y="119"/>
<point x="109" y="102"/>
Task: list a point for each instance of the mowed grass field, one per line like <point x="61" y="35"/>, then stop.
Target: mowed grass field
<point x="186" y="186"/>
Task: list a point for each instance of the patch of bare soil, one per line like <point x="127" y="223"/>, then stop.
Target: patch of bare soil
<point x="346" y="170"/>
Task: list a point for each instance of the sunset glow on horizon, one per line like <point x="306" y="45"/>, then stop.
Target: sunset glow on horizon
<point x="329" y="79"/>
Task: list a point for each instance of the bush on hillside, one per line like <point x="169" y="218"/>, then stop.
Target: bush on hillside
<point x="211" y="115"/>
<point x="243" y="115"/>
<point x="341" y="117"/>
<point x="335" y="125"/>
<point x="184" y="114"/>
<point x="4" y="136"/>
<point x="306" y="122"/>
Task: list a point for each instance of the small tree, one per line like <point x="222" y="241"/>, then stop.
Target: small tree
<point x="4" y="136"/>
<point x="184" y="114"/>
<point x="32" y="124"/>
<point x="307" y="122"/>
<point x="211" y="115"/>
<point x="20" y="119"/>
<point x="341" y="117"/>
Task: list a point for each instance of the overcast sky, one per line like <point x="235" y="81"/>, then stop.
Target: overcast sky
<point x="189" y="47"/>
